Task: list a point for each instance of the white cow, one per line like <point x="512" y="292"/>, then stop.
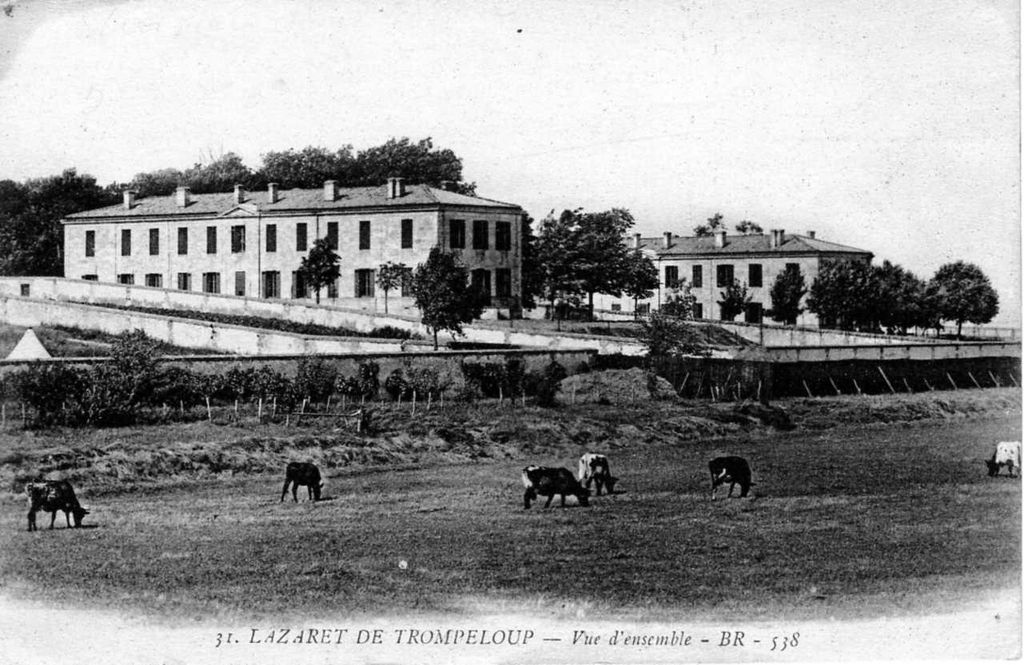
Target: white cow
<point x="1007" y="453"/>
<point x="593" y="467"/>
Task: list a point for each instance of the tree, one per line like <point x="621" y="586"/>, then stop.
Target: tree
<point x="31" y="236"/>
<point x="746" y="227"/>
<point x="641" y="277"/>
<point x="715" y="223"/>
<point x="417" y="162"/>
<point x="679" y="301"/>
<point x="734" y="300"/>
<point x="531" y="279"/>
<point x="218" y="175"/>
<point x="786" y="293"/>
<point x="555" y="261"/>
<point x="320" y="267"/>
<point x="666" y="335"/>
<point x="902" y="300"/>
<point x="601" y="258"/>
<point x="443" y="294"/>
<point x="391" y="276"/>
<point x="307" y="168"/>
<point x="843" y="295"/>
<point x="161" y="182"/>
<point x="964" y="293"/>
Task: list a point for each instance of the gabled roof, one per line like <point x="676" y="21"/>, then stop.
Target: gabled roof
<point x="292" y="200"/>
<point x="686" y="246"/>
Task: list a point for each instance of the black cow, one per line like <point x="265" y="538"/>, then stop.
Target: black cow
<point x="593" y="467"/>
<point x="547" y="481"/>
<point x="733" y="470"/>
<point x="51" y="496"/>
<point x="302" y="473"/>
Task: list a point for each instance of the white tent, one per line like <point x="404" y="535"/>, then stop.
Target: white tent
<point x="28" y="348"/>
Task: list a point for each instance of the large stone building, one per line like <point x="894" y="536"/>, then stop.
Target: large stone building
<point x="709" y="264"/>
<point x="251" y="243"/>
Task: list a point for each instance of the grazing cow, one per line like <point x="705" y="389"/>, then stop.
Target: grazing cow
<point x="594" y="468"/>
<point x="547" y="481"/>
<point x="302" y="473"/>
<point x="51" y="496"/>
<point x="1007" y="453"/>
<point x="733" y="470"/>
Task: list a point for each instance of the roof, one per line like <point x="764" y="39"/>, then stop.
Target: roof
<point x="292" y="200"/>
<point x="686" y="246"/>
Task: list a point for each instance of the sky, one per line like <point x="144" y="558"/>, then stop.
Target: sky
<point x="890" y="126"/>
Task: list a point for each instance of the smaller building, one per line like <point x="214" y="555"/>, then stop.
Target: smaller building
<point x="709" y="264"/>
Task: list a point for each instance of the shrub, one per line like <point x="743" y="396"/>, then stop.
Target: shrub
<point x="484" y="378"/>
<point x="314" y="379"/>
<point x="544" y="384"/>
<point x="397" y="386"/>
<point x="174" y="385"/>
<point x="47" y="389"/>
<point x="369" y="384"/>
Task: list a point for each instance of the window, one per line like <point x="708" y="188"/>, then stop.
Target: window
<point x="754" y="275"/>
<point x="407" y="284"/>
<point x="90" y="278"/>
<point x="616" y="307"/>
<point x="365" y="280"/>
<point x="480" y="234"/>
<point x="300" y="237"/>
<point x="332" y="235"/>
<point x="184" y="281"/>
<point x="211" y="239"/>
<point x="332" y="289"/>
<point x="456" y="234"/>
<point x="643" y="309"/>
<point x="724" y="275"/>
<point x="26" y="290"/>
<point x="299" y="287"/>
<point x="90" y="243"/>
<point x="406" y="233"/>
<point x="792" y="266"/>
<point x="753" y="312"/>
<point x="503" y="283"/>
<point x="126" y="278"/>
<point x="271" y="284"/>
<point x="671" y="276"/>
<point x="126" y="242"/>
<point x="239" y="282"/>
<point x="272" y="238"/>
<point x="364" y="234"/>
<point x="237" y="239"/>
<point x="698" y="310"/>
<point x="154" y="242"/>
<point x="182" y="240"/>
<point x="698" y="277"/>
<point x="211" y="282"/>
<point x="503" y="236"/>
<point x="481" y="281"/>
<point x="154" y="279"/>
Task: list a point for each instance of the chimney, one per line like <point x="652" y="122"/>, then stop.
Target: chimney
<point x="668" y="239"/>
<point x="396" y="188"/>
<point x="182" y="195"/>
<point x="239" y="194"/>
<point x="448" y="185"/>
<point x="129" y="198"/>
<point x="330" y="190"/>
<point x="271" y="192"/>
<point x="720" y="238"/>
<point x="636" y="241"/>
<point x="777" y="238"/>
<point x="810" y="234"/>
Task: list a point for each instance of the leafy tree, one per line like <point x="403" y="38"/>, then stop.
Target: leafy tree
<point x="307" y="168"/>
<point x="531" y="277"/>
<point x="161" y="182"/>
<point x="715" y="223"/>
<point x="443" y="294"/>
<point x="641" y="277"/>
<point x="391" y="276"/>
<point x="964" y="293"/>
<point x="555" y="261"/>
<point x="902" y="301"/>
<point x="31" y="237"/>
<point x="417" y="162"/>
<point x="734" y="300"/>
<point x="666" y="335"/>
<point x="601" y="258"/>
<point x="746" y="227"/>
<point x="843" y="295"/>
<point x="786" y="293"/>
<point x="218" y="175"/>
<point x="320" y="267"/>
<point x="679" y="301"/>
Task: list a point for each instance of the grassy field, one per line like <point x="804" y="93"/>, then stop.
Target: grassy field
<point x="860" y="520"/>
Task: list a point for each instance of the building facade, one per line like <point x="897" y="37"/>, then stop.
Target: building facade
<point x="707" y="265"/>
<point x="252" y="243"/>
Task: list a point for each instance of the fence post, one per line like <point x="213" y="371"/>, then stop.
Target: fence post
<point x="927" y="384"/>
<point x="259" y="412"/>
<point x="209" y="413"/>
<point x="891" y="389"/>
<point x="859" y="391"/>
<point x="907" y="384"/>
<point x="951" y="381"/>
<point x="834" y="386"/>
<point x="994" y="379"/>
<point x="809" y="393"/>
<point x="973" y="379"/>
<point x="1012" y="379"/>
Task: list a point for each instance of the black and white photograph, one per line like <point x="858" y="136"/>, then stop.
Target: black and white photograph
<point x="610" y="331"/>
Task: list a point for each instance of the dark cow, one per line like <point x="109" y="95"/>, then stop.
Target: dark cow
<point x="302" y="473"/>
<point x="547" y="481"/>
<point x="733" y="470"/>
<point x="51" y="496"/>
<point x="594" y="468"/>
